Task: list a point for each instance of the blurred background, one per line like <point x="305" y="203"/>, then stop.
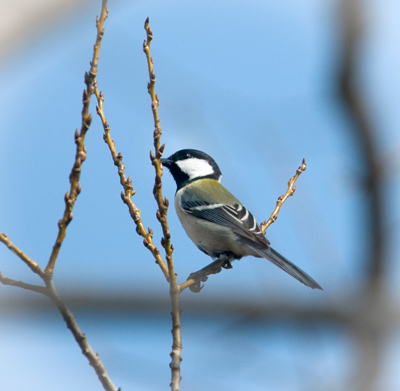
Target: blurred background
<point x="258" y="85"/>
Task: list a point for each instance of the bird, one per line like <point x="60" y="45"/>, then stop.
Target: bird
<point x="215" y="220"/>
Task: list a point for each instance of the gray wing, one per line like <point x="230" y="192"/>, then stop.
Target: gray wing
<point x="235" y="216"/>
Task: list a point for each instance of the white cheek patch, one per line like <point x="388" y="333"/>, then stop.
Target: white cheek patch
<point x="195" y="168"/>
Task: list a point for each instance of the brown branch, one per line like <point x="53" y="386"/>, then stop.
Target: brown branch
<point x="128" y="188"/>
<point x="163" y="204"/>
<point x="281" y="200"/>
<point x="80" y="337"/>
<point x="70" y="198"/>
<point x="20" y="254"/>
<point x="50" y="291"/>
<point x="75" y="188"/>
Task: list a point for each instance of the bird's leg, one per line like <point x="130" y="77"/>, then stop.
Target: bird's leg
<point x="224" y="260"/>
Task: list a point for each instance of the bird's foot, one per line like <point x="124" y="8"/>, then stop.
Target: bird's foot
<point x="224" y="261"/>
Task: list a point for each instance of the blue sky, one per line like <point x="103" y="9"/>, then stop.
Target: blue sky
<point x="253" y="85"/>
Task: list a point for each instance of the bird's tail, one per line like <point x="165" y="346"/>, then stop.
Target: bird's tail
<point x="289" y="267"/>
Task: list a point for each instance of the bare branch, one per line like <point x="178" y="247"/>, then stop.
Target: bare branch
<point x="20" y="284"/>
<point x="163" y="204"/>
<point x="80" y="337"/>
<point x="281" y="200"/>
<point x="75" y="188"/>
<point x="128" y="188"/>
<point x="155" y="157"/>
<point x="70" y="198"/>
<point x="31" y="264"/>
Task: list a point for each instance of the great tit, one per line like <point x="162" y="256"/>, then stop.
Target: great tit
<point x="215" y="220"/>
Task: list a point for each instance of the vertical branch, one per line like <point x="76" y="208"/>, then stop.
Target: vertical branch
<point x="353" y="26"/>
<point x="370" y="363"/>
<point x="163" y="204"/>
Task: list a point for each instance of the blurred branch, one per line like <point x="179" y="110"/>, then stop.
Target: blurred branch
<point x="281" y="200"/>
<point x="370" y="341"/>
<point x="352" y="14"/>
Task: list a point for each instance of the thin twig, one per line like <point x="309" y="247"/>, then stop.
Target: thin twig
<point x="20" y="254"/>
<point x="80" y="337"/>
<point x="281" y="200"/>
<point x="163" y="204"/>
<point x="128" y="188"/>
<point x="75" y="188"/>
<point x="70" y="198"/>
<point x="20" y="284"/>
<point x="50" y="291"/>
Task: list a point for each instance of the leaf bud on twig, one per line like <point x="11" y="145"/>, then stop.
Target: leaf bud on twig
<point x="85" y="97"/>
<point x="88" y="121"/>
<point x="66" y="197"/>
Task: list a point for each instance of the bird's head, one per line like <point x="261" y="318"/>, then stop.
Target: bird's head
<point x="188" y="165"/>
